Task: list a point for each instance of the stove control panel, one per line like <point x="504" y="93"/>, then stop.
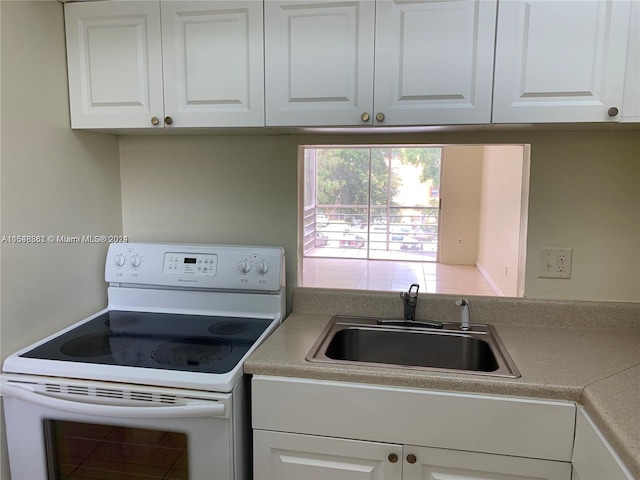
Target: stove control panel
<point x="221" y="267"/>
<point x="190" y="264"/>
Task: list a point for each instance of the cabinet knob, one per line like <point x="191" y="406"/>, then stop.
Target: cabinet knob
<point x="168" y="120"/>
<point x="155" y="120"/>
<point x="393" y="458"/>
<point x="365" y="117"/>
<point x="613" y="111"/>
<point x="380" y="117"/>
<point x="411" y="458"/>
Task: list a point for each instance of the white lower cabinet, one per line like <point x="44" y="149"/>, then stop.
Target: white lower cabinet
<point x="593" y="457"/>
<point x="280" y="456"/>
<point x="311" y="429"/>
<point x="422" y="463"/>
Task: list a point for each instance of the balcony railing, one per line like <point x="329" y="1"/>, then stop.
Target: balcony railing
<point x="377" y="228"/>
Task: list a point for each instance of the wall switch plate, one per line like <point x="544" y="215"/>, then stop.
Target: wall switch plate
<point x="554" y="262"/>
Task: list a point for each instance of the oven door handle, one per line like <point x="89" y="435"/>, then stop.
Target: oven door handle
<point x="190" y="409"/>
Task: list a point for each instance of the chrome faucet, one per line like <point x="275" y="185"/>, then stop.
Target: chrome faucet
<point x="409" y="300"/>
<point x="464" y="315"/>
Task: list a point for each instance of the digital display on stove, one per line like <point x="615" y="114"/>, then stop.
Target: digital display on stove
<point x="189" y="260"/>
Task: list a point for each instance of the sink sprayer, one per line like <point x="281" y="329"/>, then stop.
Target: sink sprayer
<point x="464" y="315"/>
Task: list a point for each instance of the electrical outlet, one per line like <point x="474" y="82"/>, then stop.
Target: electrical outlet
<point x="561" y="263"/>
<point x="555" y="262"/>
<point x="459" y="241"/>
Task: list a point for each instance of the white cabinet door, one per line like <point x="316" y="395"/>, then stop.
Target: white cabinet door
<point x="560" y="61"/>
<point x="114" y="63"/>
<point x="631" y="98"/>
<point x="319" y="62"/>
<point x="285" y="456"/>
<point x="421" y="463"/>
<point x="593" y="456"/>
<point x="434" y="61"/>
<point x="213" y="63"/>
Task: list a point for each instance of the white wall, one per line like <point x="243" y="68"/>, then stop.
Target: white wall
<point x="585" y="194"/>
<point x="499" y="225"/>
<point x="211" y="189"/>
<point x="460" y="190"/>
<point x="53" y="182"/>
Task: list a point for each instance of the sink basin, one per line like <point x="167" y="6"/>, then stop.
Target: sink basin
<point x="363" y="341"/>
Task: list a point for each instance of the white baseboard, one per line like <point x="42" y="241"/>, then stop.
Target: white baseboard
<point x="489" y="280"/>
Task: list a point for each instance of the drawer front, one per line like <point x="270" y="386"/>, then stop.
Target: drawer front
<point x="479" y="423"/>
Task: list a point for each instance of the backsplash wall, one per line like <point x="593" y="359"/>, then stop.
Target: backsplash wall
<point x="584" y="194"/>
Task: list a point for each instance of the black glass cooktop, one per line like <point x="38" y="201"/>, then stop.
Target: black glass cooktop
<point x="166" y="341"/>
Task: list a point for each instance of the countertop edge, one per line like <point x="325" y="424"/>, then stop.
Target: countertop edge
<point x="606" y="421"/>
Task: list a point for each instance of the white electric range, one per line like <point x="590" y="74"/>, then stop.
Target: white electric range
<point x="152" y="386"/>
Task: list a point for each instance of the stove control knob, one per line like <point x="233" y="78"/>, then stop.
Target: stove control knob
<point x="136" y="261"/>
<point x="263" y="267"/>
<point x="119" y="260"/>
<point x="245" y="266"/>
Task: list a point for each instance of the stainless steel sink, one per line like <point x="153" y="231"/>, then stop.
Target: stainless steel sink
<point x="407" y="344"/>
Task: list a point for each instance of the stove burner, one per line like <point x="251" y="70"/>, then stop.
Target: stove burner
<point x="123" y="322"/>
<point x="95" y="345"/>
<point x="192" y="352"/>
<point x="229" y="328"/>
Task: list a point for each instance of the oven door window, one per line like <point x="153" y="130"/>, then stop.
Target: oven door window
<point x="87" y="451"/>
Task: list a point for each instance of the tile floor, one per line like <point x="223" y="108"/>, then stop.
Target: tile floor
<point x="393" y="275"/>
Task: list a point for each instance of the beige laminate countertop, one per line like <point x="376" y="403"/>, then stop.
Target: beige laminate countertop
<point x="587" y="352"/>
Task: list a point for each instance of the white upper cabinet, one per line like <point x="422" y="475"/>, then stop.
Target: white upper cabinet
<point x="213" y="63"/>
<point x="434" y="61"/>
<point x="333" y="63"/>
<point x="560" y="61"/>
<point x="201" y="66"/>
<point x="631" y="98"/>
<point x="319" y="62"/>
<point x="115" y="64"/>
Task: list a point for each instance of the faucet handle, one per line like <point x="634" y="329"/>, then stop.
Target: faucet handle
<point x="410" y="299"/>
<point x="411" y="296"/>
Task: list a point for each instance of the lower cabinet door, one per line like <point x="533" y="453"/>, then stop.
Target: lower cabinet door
<point x="287" y="456"/>
<point x="437" y="463"/>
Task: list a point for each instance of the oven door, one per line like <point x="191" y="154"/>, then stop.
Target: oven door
<point x="93" y="430"/>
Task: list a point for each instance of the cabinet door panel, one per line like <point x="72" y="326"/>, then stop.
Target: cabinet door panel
<point x="319" y="62"/>
<point x="114" y="62"/>
<point x="631" y="98"/>
<point x="285" y="456"/>
<point x="560" y="61"/>
<point x="593" y="456"/>
<point x="434" y="61"/>
<point x="439" y="464"/>
<point x="213" y="63"/>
